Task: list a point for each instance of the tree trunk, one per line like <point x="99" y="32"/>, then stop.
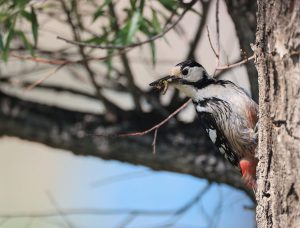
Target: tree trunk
<point x="278" y="172"/>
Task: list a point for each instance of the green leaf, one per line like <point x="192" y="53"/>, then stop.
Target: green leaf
<point x="97" y="40"/>
<point x="153" y="52"/>
<point x="25" y="41"/>
<point x="170" y="5"/>
<point x="7" y="41"/>
<point x="34" y="26"/>
<point x="99" y="12"/>
<point x="155" y="22"/>
<point x="133" y="4"/>
<point x="26" y="15"/>
<point x="9" y="36"/>
<point x="142" y="4"/>
<point x="3" y="16"/>
<point x="1" y="43"/>
<point x="31" y="17"/>
<point x="133" y="26"/>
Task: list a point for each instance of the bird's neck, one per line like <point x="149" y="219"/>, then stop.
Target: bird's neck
<point x="190" y="89"/>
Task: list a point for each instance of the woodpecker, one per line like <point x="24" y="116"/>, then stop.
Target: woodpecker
<point x="227" y="113"/>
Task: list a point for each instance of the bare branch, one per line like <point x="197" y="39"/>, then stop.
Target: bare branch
<point x="154" y="141"/>
<point x="218" y="26"/>
<point x="157" y="125"/>
<point x="175" y="214"/>
<point x="154" y="128"/>
<point x="59" y="211"/>
<point x="66" y="62"/>
<point x="201" y="25"/>
<point x="235" y="64"/>
<point x="40" y="60"/>
<point x="129" y="218"/>
<point x="87" y="211"/>
<point x="218" y="37"/>
<point x="108" y="105"/>
<point x="121" y="177"/>
<point x="182" y="210"/>
<point x="211" y="45"/>
<point x="39" y="81"/>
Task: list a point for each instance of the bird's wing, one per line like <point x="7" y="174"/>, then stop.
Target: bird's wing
<point x="216" y="136"/>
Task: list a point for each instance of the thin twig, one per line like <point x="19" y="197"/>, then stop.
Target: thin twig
<point x="157" y="125"/>
<point x="60" y="212"/>
<point x="153" y="38"/>
<point x="62" y="61"/>
<point x="195" y="41"/>
<point x="154" y="128"/>
<point x="218" y="37"/>
<point x="110" y="107"/>
<point x="4" y="220"/>
<point x="235" y="64"/>
<point x="129" y="218"/>
<point x="118" y="178"/>
<point x="170" y="222"/>
<point x="40" y="60"/>
<point x="132" y="88"/>
<point x="39" y="81"/>
<point x="87" y="211"/>
<point x="211" y="45"/>
<point x="154" y="141"/>
<point x="218" y="26"/>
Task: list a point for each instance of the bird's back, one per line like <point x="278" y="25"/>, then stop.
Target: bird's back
<point x="229" y="116"/>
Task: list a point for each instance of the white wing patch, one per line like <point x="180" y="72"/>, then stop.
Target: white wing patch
<point x="222" y="151"/>
<point x="212" y="135"/>
<point x="200" y="108"/>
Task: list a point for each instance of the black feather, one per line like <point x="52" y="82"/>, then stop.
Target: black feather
<point x="189" y="63"/>
<point x="209" y="123"/>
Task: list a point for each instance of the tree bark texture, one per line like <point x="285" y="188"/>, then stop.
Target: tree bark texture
<point x="278" y="172"/>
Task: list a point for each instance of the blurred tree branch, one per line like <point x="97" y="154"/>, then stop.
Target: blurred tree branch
<point x="67" y="130"/>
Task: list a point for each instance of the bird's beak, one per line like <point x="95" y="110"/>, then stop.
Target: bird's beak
<point x="162" y="81"/>
<point x="170" y="79"/>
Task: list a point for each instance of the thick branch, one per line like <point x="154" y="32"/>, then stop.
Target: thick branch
<point x="180" y="147"/>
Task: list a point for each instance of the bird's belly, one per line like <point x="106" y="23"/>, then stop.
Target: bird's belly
<point x="238" y="135"/>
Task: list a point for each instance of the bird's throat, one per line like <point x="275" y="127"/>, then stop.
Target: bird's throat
<point x="188" y="90"/>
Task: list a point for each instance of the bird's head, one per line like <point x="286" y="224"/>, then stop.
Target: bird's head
<point x="186" y="76"/>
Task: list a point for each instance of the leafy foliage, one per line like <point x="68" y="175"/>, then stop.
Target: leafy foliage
<point x="142" y="20"/>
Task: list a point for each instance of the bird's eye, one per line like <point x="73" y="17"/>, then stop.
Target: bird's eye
<point x="185" y="71"/>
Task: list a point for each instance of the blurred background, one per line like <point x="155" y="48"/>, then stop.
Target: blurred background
<point x="56" y="96"/>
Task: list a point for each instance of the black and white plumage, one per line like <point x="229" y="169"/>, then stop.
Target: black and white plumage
<point x="227" y="113"/>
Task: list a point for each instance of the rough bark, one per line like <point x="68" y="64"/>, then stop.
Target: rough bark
<point x="278" y="46"/>
<point x="180" y="147"/>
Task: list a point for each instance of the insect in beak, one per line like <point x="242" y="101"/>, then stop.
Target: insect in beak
<point x="163" y="83"/>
